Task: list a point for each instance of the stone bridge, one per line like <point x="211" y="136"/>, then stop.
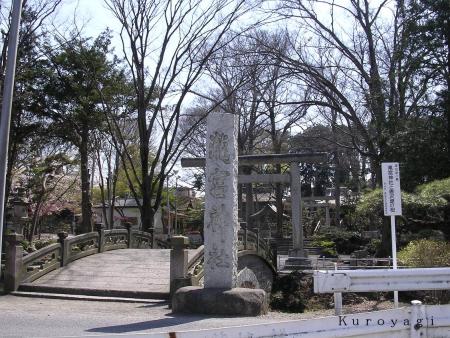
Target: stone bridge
<point x="121" y="263"/>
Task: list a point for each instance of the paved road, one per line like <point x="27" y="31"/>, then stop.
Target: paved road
<point x="40" y="317"/>
<point x="127" y="270"/>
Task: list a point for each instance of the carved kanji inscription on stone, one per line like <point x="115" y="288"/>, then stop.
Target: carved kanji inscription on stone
<point x="218" y="149"/>
<point x="217" y="179"/>
<point x="216" y="221"/>
<point x="218" y="258"/>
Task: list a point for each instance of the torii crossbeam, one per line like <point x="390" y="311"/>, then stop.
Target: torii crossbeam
<point x="294" y="159"/>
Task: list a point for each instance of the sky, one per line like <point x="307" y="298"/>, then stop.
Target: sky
<point x="91" y="15"/>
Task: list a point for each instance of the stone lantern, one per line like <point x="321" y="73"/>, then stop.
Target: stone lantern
<point x="19" y="211"/>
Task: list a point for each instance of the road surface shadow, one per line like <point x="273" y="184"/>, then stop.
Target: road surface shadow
<point x="170" y="320"/>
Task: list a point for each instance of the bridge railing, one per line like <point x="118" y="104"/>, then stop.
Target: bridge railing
<point x="20" y="268"/>
<point x="80" y="246"/>
<point x="195" y="269"/>
<point x="115" y="239"/>
<point x="140" y="240"/>
<point x="193" y="272"/>
<point x="41" y="262"/>
<point x="249" y="240"/>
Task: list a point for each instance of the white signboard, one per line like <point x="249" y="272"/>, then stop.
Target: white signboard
<point x="392" y="198"/>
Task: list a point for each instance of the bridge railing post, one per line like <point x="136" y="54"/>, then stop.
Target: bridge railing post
<point x="64" y="252"/>
<point x="127" y="226"/>
<point x="178" y="263"/>
<point x="101" y="237"/>
<point x="14" y="256"/>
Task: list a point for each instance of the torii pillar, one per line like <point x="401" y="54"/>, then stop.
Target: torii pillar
<point x="297" y="224"/>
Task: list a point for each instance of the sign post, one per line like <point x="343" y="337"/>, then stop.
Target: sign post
<point x="392" y="201"/>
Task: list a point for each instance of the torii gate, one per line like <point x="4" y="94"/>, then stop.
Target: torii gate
<point x="293" y="178"/>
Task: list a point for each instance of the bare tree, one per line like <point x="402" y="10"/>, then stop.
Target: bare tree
<point x="357" y="56"/>
<point x="353" y="55"/>
<point x="166" y="45"/>
<point x="277" y="95"/>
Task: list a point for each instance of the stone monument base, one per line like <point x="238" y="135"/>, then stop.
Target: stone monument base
<point x="237" y="301"/>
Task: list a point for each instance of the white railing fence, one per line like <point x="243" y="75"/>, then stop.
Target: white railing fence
<point x="417" y="320"/>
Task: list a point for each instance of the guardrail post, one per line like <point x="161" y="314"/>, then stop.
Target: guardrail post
<point x="178" y="263"/>
<point x="13" y="262"/>
<point x="337" y="298"/>
<point x="101" y="237"/>
<point x="127" y="226"/>
<point x="337" y="303"/>
<point x="61" y="240"/>
<point x="415" y="324"/>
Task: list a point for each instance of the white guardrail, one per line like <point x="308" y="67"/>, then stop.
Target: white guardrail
<point x="326" y="281"/>
<point x="424" y="321"/>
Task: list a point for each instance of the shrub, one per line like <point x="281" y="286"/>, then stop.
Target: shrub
<point x="426" y="209"/>
<point x="369" y="210"/>
<point x="39" y="244"/>
<point x="25" y="244"/>
<point x="344" y="242"/>
<point x="435" y="190"/>
<point x="373" y="246"/>
<point x="288" y="293"/>
<point x="425" y="253"/>
<point x="328" y="248"/>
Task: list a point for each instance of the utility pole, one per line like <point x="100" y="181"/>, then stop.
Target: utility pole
<point x="5" y="119"/>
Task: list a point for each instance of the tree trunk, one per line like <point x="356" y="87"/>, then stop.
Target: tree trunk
<point x="447" y="102"/>
<point x="86" y="205"/>
<point x="112" y="189"/>
<point x="385" y="247"/>
<point x="337" y="173"/>
<point x="104" y="195"/>
<point x="337" y="193"/>
<point x="12" y="156"/>
<point x="249" y="210"/>
<point x="279" y="203"/>
<point x="35" y="219"/>
<point x="447" y="114"/>
<point x="146" y="208"/>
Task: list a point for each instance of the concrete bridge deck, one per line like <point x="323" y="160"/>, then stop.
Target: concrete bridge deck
<point x="141" y="273"/>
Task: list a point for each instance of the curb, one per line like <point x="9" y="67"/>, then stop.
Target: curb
<point x="94" y="292"/>
<point x="87" y="297"/>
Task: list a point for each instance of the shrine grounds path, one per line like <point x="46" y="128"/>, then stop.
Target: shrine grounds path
<point x="137" y="273"/>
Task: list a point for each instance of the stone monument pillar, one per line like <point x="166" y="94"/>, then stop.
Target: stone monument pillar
<point x="221" y="208"/>
<point x="220" y="295"/>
